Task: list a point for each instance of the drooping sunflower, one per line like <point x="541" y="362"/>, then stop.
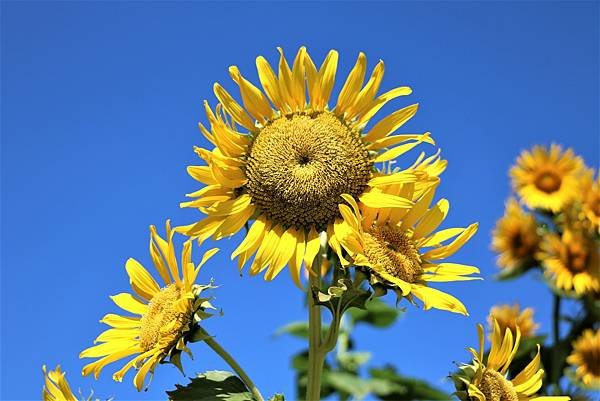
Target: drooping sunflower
<point x="399" y="249"/>
<point x="292" y="157"/>
<point x="56" y="387"/>
<point x="585" y="358"/>
<point x="488" y="380"/>
<point x="513" y="318"/>
<point x="515" y="237"/>
<point x="547" y="178"/>
<point x="571" y="260"/>
<point x="164" y="316"/>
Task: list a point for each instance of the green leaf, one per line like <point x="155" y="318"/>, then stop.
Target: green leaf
<point x="408" y="388"/>
<point x="298" y="329"/>
<point x="377" y="313"/>
<point x="277" y="397"/>
<point x="351" y="361"/>
<point x="210" y="386"/>
<point x="347" y="383"/>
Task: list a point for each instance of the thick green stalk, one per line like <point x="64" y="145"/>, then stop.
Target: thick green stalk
<point x="316" y="357"/>
<point x="210" y="341"/>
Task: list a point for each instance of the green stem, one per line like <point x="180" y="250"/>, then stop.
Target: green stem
<point x="316" y="357"/>
<point x="210" y="341"/>
<point x="555" y="340"/>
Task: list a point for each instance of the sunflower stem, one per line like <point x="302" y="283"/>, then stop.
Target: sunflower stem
<point x="210" y="341"/>
<point x="555" y="338"/>
<point x="316" y="357"/>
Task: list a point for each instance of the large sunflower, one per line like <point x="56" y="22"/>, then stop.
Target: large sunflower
<point x="399" y="249"/>
<point x="513" y="318"/>
<point x="547" y="178"/>
<point x="486" y="380"/>
<point x="293" y="156"/>
<point x="515" y="237"/>
<point x="163" y="316"/>
<point x="571" y="260"/>
<point x="56" y="387"/>
<point x="585" y="358"/>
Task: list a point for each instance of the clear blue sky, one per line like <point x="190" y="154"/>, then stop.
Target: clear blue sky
<point x="100" y="102"/>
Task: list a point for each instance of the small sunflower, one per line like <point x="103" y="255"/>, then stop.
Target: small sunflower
<point x="163" y="315"/>
<point x="388" y="243"/>
<point x="487" y="380"/>
<point x="292" y="157"/>
<point x="547" y="178"/>
<point x="56" y="387"/>
<point x="590" y="198"/>
<point x="515" y="237"/>
<point x="571" y="260"/>
<point x="585" y="358"/>
<point x="513" y="318"/>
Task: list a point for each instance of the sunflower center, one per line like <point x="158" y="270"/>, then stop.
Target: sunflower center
<point x="163" y="322"/>
<point x="393" y="250"/>
<point x="591" y="358"/>
<point x="522" y="243"/>
<point x="577" y="256"/>
<point x="300" y="164"/>
<point x="496" y="387"/>
<point x="548" y="181"/>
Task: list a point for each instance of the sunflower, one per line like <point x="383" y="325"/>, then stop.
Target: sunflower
<point x="571" y="260"/>
<point x="513" y="318"/>
<point x="590" y="198"/>
<point x="547" y="178"/>
<point x="515" y="237"/>
<point x="387" y="243"/>
<point x="283" y="158"/>
<point x="585" y="358"/>
<point x="56" y="387"/>
<point x="487" y="380"/>
<point x="163" y="316"/>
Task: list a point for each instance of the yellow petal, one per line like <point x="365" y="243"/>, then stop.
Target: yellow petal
<point x="313" y="245"/>
<point x="373" y="107"/>
<point x="432" y="219"/>
<point x="352" y="85"/>
<point x="433" y="298"/>
<point x="127" y="302"/>
<point x="285" y="250"/>
<point x="391" y="123"/>
<point x="140" y="280"/>
<point x="233" y="108"/>
<point x="399" y="150"/>
<point x="401" y="177"/>
<point x="383" y="200"/>
<point x="254" y="101"/>
<point x="447" y="250"/>
<point x="269" y="82"/>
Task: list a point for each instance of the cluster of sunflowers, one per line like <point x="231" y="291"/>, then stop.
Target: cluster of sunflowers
<point x="558" y="233"/>
<point x="314" y="188"/>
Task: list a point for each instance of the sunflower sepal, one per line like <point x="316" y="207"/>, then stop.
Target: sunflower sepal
<point x="342" y="297"/>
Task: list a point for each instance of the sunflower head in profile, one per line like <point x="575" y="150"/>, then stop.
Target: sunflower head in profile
<point x="571" y="260"/>
<point x="283" y="157"/>
<point x="513" y="318"/>
<point x="161" y="317"/>
<point x="56" y="387"/>
<point x="585" y="359"/>
<point x="515" y="237"/>
<point x="590" y="199"/>
<point x="486" y="378"/>
<point x="400" y="249"/>
<point x="547" y="179"/>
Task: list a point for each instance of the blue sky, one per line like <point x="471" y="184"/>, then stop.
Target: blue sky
<point x="100" y="102"/>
